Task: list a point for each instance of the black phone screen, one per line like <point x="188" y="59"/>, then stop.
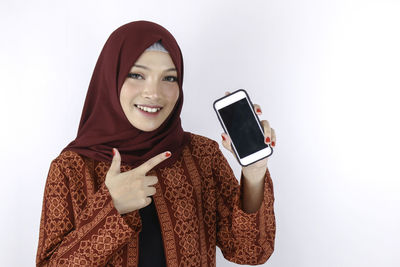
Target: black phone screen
<point x="242" y="128"/>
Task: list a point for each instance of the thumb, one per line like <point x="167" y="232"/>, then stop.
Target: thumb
<point x="115" y="167"/>
<point x="226" y="142"/>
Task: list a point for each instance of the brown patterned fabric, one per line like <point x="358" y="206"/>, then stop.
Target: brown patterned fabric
<point x="198" y="202"/>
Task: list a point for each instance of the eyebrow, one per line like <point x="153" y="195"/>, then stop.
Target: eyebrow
<point x="146" y="68"/>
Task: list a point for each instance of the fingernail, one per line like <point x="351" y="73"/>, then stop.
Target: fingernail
<point x="223" y="137"/>
<point x="167" y="154"/>
<point x="113" y="152"/>
<point x="267" y="140"/>
<point x="258" y="110"/>
<point x="273" y="143"/>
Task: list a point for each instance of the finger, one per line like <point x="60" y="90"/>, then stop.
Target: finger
<point x="146" y="202"/>
<point x="267" y="131"/>
<point x="227" y="93"/>
<point x="226" y="142"/>
<point x="257" y="109"/>
<point x="115" y="167"/>
<point x="149" y="191"/>
<point x="273" y="137"/>
<point x="154" y="161"/>
<point x="150" y="180"/>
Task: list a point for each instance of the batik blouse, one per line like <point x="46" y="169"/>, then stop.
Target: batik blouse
<point x="198" y="203"/>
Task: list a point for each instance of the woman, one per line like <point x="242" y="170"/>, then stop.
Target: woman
<point x="134" y="189"/>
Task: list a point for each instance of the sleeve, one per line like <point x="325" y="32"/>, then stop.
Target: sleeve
<point x="244" y="238"/>
<point x="89" y="238"/>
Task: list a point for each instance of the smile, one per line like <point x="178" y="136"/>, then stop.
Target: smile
<point x="148" y="109"/>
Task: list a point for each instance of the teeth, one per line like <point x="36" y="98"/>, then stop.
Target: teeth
<point x="147" y="109"/>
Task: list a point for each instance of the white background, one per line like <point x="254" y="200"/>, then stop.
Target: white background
<point x="327" y="77"/>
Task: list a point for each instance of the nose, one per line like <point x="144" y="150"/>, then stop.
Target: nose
<point x="151" y="89"/>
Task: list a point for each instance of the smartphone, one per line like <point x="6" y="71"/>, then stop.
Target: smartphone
<point x="241" y="123"/>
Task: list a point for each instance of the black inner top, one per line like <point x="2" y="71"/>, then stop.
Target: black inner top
<point x="151" y="248"/>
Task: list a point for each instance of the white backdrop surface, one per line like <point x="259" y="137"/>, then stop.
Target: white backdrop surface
<point x="326" y="74"/>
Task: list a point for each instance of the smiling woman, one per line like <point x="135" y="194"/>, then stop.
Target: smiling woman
<point x="133" y="188"/>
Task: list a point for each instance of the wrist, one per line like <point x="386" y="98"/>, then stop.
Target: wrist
<point x="254" y="174"/>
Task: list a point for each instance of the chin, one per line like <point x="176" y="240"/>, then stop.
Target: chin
<point x="145" y="128"/>
<point x="148" y="129"/>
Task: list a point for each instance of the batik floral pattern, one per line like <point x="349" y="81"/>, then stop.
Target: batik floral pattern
<point x="198" y="202"/>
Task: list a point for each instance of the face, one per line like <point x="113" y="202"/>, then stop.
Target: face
<point x="150" y="91"/>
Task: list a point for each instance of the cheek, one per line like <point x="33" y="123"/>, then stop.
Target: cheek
<point x="122" y="96"/>
<point x="128" y="92"/>
<point x="172" y="94"/>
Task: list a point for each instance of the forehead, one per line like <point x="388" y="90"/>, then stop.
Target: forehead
<point x="155" y="59"/>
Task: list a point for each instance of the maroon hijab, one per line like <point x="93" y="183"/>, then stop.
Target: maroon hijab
<point x="103" y="123"/>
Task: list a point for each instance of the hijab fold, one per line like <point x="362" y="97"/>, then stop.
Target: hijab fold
<point x="103" y="123"/>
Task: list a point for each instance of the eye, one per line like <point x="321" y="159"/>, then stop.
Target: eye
<point x="171" y="79"/>
<point x="135" y="76"/>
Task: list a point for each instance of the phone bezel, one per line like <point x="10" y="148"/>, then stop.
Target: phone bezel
<point x="230" y="99"/>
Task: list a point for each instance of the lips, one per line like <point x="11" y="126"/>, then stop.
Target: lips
<point x="151" y="109"/>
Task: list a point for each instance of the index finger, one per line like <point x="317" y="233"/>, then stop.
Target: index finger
<point x="154" y="161"/>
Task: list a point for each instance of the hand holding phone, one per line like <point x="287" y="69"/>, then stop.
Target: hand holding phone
<point x="238" y="119"/>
